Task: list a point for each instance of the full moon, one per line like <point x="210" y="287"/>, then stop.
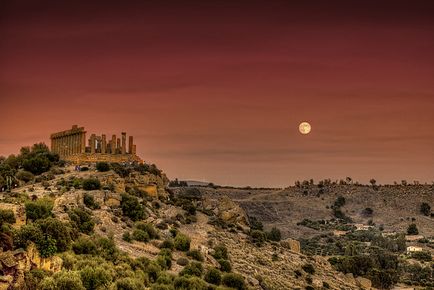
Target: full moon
<point x="304" y="128"/>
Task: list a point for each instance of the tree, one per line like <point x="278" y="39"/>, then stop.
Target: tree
<point x="373" y="182"/>
<point x="213" y="276"/>
<point x="182" y="242"/>
<point x="58" y="230"/>
<point x="39" y="209"/>
<point x="82" y="220"/>
<point x="233" y="280"/>
<point x="94" y="278"/>
<point x="131" y="207"/>
<point x="412" y="230"/>
<point x="425" y="208"/>
<point x="91" y="184"/>
<point x="102" y="166"/>
<point x="7" y="216"/>
<point x="274" y="235"/>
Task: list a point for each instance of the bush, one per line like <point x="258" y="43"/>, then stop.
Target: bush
<point x="368" y="212"/>
<point x="255" y="224"/>
<point x="59" y="231"/>
<point x="25" y="176"/>
<point x="339" y="202"/>
<point x="39" y="209"/>
<point x="220" y="252"/>
<point x="308" y="268"/>
<point x="91" y="184"/>
<point x="129" y="284"/>
<point x="196" y="255"/>
<point x="89" y="201"/>
<point x="164" y="259"/>
<point x="37" y="164"/>
<point x="412" y="230"/>
<point x="193" y="283"/>
<point x="213" y="276"/>
<point x="7" y="216"/>
<point x="182" y="261"/>
<point x="132" y="208"/>
<point x="257" y="237"/>
<point x="425" y="208"/>
<point x="84" y="246"/>
<point x="167" y="244"/>
<point x="68" y="280"/>
<point x="94" y="278"/>
<point x="82" y="220"/>
<point x="102" y="166"/>
<point x="225" y="265"/>
<point x="140" y="236"/>
<point x="422" y="256"/>
<point x="192" y="269"/>
<point x="149" y="229"/>
<point x="274" y="235"/>
<point x="127" y="237"/>
<point x="182" y="242"/>
<point x="234" y="281"/>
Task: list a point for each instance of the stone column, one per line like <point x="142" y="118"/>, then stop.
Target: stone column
<point x="92" y="143"/>
<point x="113" y="145"/>
<point x="124" y="142"/>
<point x="83" y="142"/>
<point x="118" y="144"/>
<point x="130" y="144"/>
<point x="134" y="149"/>
<point x="104" y="144"/>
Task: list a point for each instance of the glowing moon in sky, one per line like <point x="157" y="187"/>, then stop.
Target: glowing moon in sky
<point x="304" y="128"/>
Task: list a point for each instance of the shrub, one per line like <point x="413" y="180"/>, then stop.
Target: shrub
<point x="25" y="176"/>
<point x="257" y="237"/>
<point x="339" y="202"/>
<point x="127" y="237"/>
<point x="140" y="235"/>
<point x="7" y="216"/>
<point x="89" y="201"/>
<point x="308" y="268"/>
<point x="94" y="278"/>
<point x="220" y="252"/>
<point x="102" y="166"/>
<point x="182" y="261"/>
<point x="274" y="235"/>
<point x="425" y="208"/>
<point x="165" y="259"/>
<point x="225" y="265"/>
<point x="213" y="276"/>
<point x="194" y="283"/>
<point x="412" y="230"/>
<point x="58" y="230"/>
<point x="422" y="256"/>
<point x="38" y="209"/>
<point x="129" y="284"/>
<point x="167" y="244"/>
<point x="234" y="281"/>
<point x="82" y="220"/>
<point x="149" y="229"/>
<point x="192" y="269"/>
<point x="37" y="164"/>
<point x="368" y="212"/>
<point x="196" y="255"/>
<point x="255" y="224"/>
<point x="132" y="208"/>
<point x="84" y="246"/>
<point x="182" y="242"/>
<point x="68" y="280"/>
<point x="47" y="246"/>
<point x="91" y="184"/>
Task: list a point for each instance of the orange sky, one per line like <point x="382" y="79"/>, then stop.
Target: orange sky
<point x="215" y="92"/>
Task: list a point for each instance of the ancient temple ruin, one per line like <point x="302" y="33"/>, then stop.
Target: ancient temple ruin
<point x="71" y="146"/>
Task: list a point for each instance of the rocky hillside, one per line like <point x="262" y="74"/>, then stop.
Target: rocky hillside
<point x="122" y="229"/>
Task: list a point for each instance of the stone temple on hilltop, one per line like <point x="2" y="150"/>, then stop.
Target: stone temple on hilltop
<point x="71" y="146"/>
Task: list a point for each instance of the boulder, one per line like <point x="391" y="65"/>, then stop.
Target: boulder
<point x="363" y="283"/>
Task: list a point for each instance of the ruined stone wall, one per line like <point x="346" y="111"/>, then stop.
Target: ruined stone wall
<point x="102" y="157"/>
